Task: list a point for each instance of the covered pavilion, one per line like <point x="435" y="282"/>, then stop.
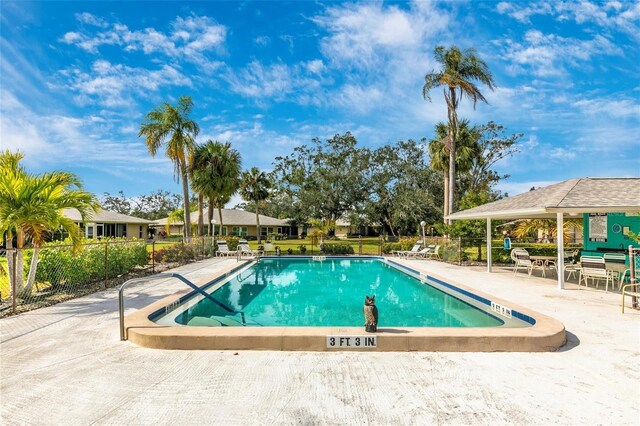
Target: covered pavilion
<point x="573" y="197"/>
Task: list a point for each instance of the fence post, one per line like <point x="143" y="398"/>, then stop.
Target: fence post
<point x="13" y="281"/>
<point x="106" y="268"/>
<point x="632" y="276"/>
<point x="360" y="245"/>
<point x="202" y="238"/>
<point x="153" y="256"/>
<point x="459" y="250"/>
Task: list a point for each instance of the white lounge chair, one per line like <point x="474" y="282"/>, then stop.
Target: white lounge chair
<point x="223" y="249"/>
<point x="594" y="267"/>
<point x="243" y="248"/>
<point x="420" y="253"/>
<point x="434" y="253"/>
<point x="414" y="249"/>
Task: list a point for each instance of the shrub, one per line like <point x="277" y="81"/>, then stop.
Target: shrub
<point x="302" y="248"/>
<point x="337" y="249"/>
<point x="58" y="265"/>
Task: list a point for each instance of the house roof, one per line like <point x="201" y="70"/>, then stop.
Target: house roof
<point x="105" y="216"/>
<point x="573" y="196"/>
<point x="231" y="217"/>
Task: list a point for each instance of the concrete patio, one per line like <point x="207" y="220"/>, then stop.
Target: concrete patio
<point x="66" y="365"/>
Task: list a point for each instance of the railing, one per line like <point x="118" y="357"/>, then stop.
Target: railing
<point x="123" y="335"/>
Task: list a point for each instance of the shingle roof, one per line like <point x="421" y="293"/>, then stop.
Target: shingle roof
<point x="105" y="216"/>
<point x="232" y="217"/>
<point x="582" y="195"/>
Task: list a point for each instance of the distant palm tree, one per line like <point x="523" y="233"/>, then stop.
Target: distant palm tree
<point x="31" y="208"/>
<point x="254" y="186"/>
<point x="531" y="227"/>
<point x="171" y="127"/>
<point x="459" y="71"/>
<point x="468" y="149"/>
<point x="216" y="172"/>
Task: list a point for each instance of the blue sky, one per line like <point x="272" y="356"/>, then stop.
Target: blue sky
<point x="78" y="77"/>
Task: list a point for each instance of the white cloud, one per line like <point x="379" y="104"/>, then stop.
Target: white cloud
<point x="87" y="18"/>
<point x="190" y="38"/>
<point x="114" y="84"/>
<point x="613" y="15"/>
<point x="549" y="55"/>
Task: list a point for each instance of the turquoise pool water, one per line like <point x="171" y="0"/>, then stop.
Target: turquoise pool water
<point x="304" y="292"/>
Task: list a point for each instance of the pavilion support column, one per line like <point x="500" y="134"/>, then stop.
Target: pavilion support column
<point x="560" y="240"/>
<point x="488" y="244"/>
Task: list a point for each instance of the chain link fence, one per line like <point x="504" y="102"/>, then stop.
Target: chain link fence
<point x="64" y="274"/>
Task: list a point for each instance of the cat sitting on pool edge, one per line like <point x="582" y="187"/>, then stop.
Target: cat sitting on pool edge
<point x="370" y="314"/>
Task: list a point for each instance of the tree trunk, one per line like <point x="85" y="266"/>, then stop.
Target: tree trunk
<point x="31" y="279"/>
<point x="220" y="213"/>
<point x="210" y="217"/>
<point x="187" y="207"/>
<point x="258" y="224"/>
<point x="453" y="134"/>
<point x="446" y="195"/>
<point x="200" y="215"/>
<point x="19" y="271"/>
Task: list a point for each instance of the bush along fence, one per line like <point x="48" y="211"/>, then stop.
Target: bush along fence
<point x="63" y="274"/>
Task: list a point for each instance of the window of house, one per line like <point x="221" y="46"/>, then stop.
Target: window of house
<point x="89" y="231"/>
<point x="216" y="230"/>
<point x="240" y="231"/>
<point x="139" y="233"/>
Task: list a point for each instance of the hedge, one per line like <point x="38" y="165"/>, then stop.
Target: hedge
<point x="337" y="249"/>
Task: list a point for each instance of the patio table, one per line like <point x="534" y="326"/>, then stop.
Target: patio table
<point x="544" y="261"/>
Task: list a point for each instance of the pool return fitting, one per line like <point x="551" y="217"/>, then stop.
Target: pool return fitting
<point x="165" y="275"/>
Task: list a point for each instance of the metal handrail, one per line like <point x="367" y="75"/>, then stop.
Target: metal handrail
<point x="161" y="276"/>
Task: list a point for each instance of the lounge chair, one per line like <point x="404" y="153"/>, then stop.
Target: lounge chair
<point x="223" y="249"/>
<point x="594" y="267"/>
<point x="615" y="264"/>
<point x="421" y="253"/>
<point x="414" y="249"/>
<point x="434" y="253"/>
<point x="269" y="247"/>
<point x="243" y="248"/>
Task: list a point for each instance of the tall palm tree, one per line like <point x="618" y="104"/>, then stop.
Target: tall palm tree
<point x="255" y="187"/>
<point x="216" y="171"/>
<point x="31" y="207"/>
<point x="460" y="69"/>
<point x="170" y="126"/>
<point x="468" y="149"/>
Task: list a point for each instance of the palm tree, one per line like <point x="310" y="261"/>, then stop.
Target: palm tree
<point x="468" y="149"/>
<point x="530" y="227"/>
<point x="216" y="170"/>
<point x="460" y="69"/>
<point x="170" y="126"/>
<point x="31" y="207"/>
<point x="255" y="187"/>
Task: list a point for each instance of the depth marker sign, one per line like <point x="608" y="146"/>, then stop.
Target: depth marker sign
<point x="352" y="341"/>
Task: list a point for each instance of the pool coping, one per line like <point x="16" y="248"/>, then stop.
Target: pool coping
<point x="547" y="334"/>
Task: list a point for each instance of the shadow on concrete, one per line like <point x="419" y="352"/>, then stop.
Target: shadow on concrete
<point x="392" y="331"/>
<point x="572" y="342"/>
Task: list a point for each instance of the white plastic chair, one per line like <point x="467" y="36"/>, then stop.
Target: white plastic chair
<point x="594" y="267"/>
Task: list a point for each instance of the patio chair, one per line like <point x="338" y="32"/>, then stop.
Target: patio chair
<point x="269" y="247"/>
<point x="615" y="264"/>
<point x="594" y="267"/>
<point x="521" y="258"/>
<point x="571" y="265"/>
<point x="421" y="253"/>
<point x="632" y="290"/>
<point x="433" y="254"/>
<point x="414" y="249"/>
<point x="223" y="249"/>
<point x="243" y="248"/>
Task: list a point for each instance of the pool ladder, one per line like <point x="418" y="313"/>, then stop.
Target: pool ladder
<point x="165" y="275"/>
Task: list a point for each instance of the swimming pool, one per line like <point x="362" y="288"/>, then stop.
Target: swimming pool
<point x="330" y="292"/>
<point x="255" y="310"/>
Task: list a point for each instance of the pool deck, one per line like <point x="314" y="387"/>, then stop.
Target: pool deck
<point x="66" y="365"/>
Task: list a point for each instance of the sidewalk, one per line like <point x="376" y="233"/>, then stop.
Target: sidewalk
<point x="66" y="365"/>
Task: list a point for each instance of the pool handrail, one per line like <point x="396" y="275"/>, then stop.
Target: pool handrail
<point x="162" y="276"/>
